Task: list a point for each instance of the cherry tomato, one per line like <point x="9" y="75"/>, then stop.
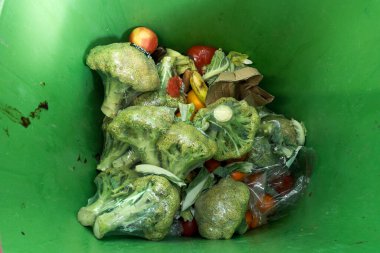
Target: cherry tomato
<point x="266" y="203"/>
<point x="211" y="165"/>
<point x="283" y="184"/>
<point x="238" y="176"/>
<point x="190" y="228"/>
<point x="202" y="56"/>
<point x="253" y="178"/>
<point x="174" y="86"/>
<point x="252" y="220"/>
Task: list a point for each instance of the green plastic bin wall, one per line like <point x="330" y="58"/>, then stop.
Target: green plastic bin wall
<point x="320" y="58"/>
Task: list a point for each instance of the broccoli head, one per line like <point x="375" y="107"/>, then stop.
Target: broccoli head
<point x="140" y="127"/>
<point x="220" y="211"/>
<point x="262" y="154"/>
<point x="155" y="98"/>
<point x="183" y="147"/>
<point x="232" y="124"/>
<point x="126" y="72"/>
<point x="112" y="148"/>
<point x="146" y="210"/>
<point x="108" y="183"/>
<point x="283" y="133"/>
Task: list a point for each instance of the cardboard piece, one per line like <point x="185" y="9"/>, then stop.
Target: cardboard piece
<point x="240" y="84"/>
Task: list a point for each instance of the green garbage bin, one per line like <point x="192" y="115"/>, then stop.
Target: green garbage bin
<point x="320" y="59"/>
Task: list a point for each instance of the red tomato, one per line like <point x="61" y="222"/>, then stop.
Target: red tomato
<point x="202" y="56"/>
<point x="265" y="203"/>
<point x="283" y="184"/>
<point x="211" y="165"/>
<point x="190" y="228"/>
<point x="238" y="176"/>
<point x="174" y="86"/>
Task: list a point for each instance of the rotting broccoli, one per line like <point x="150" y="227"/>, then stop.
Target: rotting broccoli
<point x="126" y="72"/>
<point x="140" y="127"/>
<point x="286" y="135"/>
<point x="262" y="154"/>
<point x="108" y="184"/>
<point x="146" y="210"/>
<point x="112" y="148"/>
<point x="183" y="147"/>
<point x="154" y="98"/>
<point x="220" y="211"/>
<point x="232" y="124"/>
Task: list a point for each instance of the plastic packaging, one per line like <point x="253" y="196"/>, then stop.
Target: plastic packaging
<point x="276" y="188"/>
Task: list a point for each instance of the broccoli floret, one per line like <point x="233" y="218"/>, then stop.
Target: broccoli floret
<point x="147" y="210"/>
<point x="232" y="124"/>
<point x="112" y="149"/>
<point x="220" y="211"/>
<point x="283" y="133"/>
<point x="140" y="127"/>
<point x="126" y="72"/>
<point x="262" y="153"/>
<point x="155" y="98"/>
<point x="183" y="147"/>
<point x="108" y="183"/>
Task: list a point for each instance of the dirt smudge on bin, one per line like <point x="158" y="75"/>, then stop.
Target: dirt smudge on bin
<point x="42" y="106"/>
<point x="18" y="117"/>
<point x="6" y="131"/>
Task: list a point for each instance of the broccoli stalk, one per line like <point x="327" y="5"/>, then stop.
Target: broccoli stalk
<point x="148" y="210"/>
<point x="183" y="148"/>
<point x="108" y="183"/>
<point x="116" y="95"/>
<point x="140" y="127"/>
<point x="113" y="148"/>
<point x="126" y="72"/>
<point x="231" y="124"/>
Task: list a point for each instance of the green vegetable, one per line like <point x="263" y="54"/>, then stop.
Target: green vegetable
<point x="262" y="154"/>
<point x="126" y="72"/>
<point x="238" y="59"/>
<point x="155" y="98"/>
<point x="186" y="111"/>
<point x="244" y="167"/>
<point x="108" y="184"/>
<point x="286" y="135"/>
<point x="183" y="148"/>
<point x="220" y="211"/>
<point x="140" y="127"/>
<point x="231" y="124"/>
<point x="181" y="62"/>
<point x="112" y="148"/>
<point x="203" y="181"/>
<point x="128" y="160"/>
<point x="219" y="63"/>
<point x="146" y="209"/>
<point x="165" y="70"/>
<point x="148" y="169"/>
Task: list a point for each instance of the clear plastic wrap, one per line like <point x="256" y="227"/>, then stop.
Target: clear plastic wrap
<point x="276" y="188"/>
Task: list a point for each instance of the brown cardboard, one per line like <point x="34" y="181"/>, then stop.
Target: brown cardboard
<point x="240" y="84"/>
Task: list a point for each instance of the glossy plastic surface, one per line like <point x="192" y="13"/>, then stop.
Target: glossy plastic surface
<point x="320" y="59"/>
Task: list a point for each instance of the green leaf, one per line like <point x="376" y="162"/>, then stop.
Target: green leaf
<point x="152" y="169"/>
<point x="238" y="59"/>
<point x="165" y="72"/>
<point x="219" y="63"/>
<point x="186" y="111"/>
<point x="203" y="181"/>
